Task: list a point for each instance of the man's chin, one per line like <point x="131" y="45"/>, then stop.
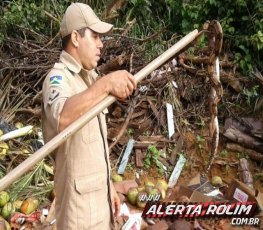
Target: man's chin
<point x="91" y="67"/>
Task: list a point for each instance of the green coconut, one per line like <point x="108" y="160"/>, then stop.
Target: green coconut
<point x="148" y="183"/>
<point x="4" y="224"/>
<point x="217" y="181"/>
<point x="8" y="209"/>
<point x="132" y="195"/>
<point x="18" y="204"/>
<point x="162" y="184"/>
<point x="140" y="202"/>
<point x="116" y="178"/>
<point x="141" y="189"/>
<point x="161" y="190"/>
<point x="4" y="198"/>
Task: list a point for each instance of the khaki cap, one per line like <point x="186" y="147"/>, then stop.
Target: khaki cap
<point x="79" y="16"/>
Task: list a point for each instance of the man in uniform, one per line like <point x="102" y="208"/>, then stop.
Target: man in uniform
<point x="85" y="198"/>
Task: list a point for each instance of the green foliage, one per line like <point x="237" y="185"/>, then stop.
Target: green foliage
<point x="130" y="132"/>
<point x="20" y="15"/>
<point x="242" y="155"/>
<point x="251" y="95"/>
<point x="152" y="156"/>
<point x="129" y="166"/>
<point x="224" y="153"/>
<point x="199" y="142"/>
<point x="35" y="183"/>
<point x="241" y="20"/>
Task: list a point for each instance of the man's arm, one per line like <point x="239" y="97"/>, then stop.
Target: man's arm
<point x="119" y="84"/>
<point x="115" y="201"/>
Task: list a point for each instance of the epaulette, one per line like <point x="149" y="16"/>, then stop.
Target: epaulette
<point x="60" y="66"/>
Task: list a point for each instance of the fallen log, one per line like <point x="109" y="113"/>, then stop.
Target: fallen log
<point x="236" y="135"/>
<point x="251" y="153"/>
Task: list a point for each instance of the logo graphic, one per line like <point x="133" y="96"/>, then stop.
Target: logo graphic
<point x="241" y="212"/>
<point x="55" y="80"/>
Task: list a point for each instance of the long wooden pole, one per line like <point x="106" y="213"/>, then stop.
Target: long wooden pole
<point x="79" y="123"/>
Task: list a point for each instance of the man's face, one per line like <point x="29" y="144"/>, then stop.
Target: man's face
<point x="89" y="49"/>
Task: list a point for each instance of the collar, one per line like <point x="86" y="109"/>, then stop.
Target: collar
<point x="70" y="62"/>
<point x="74" y="66"/>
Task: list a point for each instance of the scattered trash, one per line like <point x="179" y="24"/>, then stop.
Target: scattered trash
<point x="239" y="191"/>
<point x="134" y="220"/>
<point x="170" y="119"/>
<point x="21" y="218"/>
<point x="5" y="127"/>
<point x="126" y="156"/>
<point x="176" y="171"/>
<point x="17" y="133"/>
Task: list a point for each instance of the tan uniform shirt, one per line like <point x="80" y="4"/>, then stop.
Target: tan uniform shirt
<point x="82" y="164"/>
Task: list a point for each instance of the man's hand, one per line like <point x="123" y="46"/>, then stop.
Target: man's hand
<point x="116" y="203"/>
<point x="121" y="84"/>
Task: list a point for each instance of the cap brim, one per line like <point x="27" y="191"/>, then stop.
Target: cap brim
<point x="101" y="27"/>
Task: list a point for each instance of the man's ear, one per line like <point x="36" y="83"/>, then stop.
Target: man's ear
<point x="75" y="38"/>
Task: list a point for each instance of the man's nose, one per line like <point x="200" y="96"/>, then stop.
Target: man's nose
<point x="100" y="44"/>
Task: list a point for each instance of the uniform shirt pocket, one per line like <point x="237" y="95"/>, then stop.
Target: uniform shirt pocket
<point x="91" y="131"/>
<point x="91" y="198"/>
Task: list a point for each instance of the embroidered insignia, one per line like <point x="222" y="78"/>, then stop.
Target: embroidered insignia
<point x="55" y="80"/>
<point x="53" y="95"/>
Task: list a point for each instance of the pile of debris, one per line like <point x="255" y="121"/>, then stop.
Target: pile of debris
<point x="159" y="133"/>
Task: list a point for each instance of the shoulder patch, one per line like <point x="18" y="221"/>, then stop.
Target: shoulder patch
<point x="53" y="95"/>
<point x="55" y="80"/>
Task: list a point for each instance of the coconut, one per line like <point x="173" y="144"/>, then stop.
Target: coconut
<point x="29" y="205"/>
<point x="161" y="190"/>
<point x="116" y="178"/>
<point x="155" y="193"/>
<point x="18" y="204"/>
<point x="148" y="188"/>
<point x="4" y="198"/>
<point x="141" y="189"/>
<point x="141" y="199"/>
<point x="162" y="184"/>
<point x="132" y="195"/>
<point x="4" y="224"/>
<point x="148" y="183"/>
<point x="216" y="181"/>
<point x="8" y="209"/>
